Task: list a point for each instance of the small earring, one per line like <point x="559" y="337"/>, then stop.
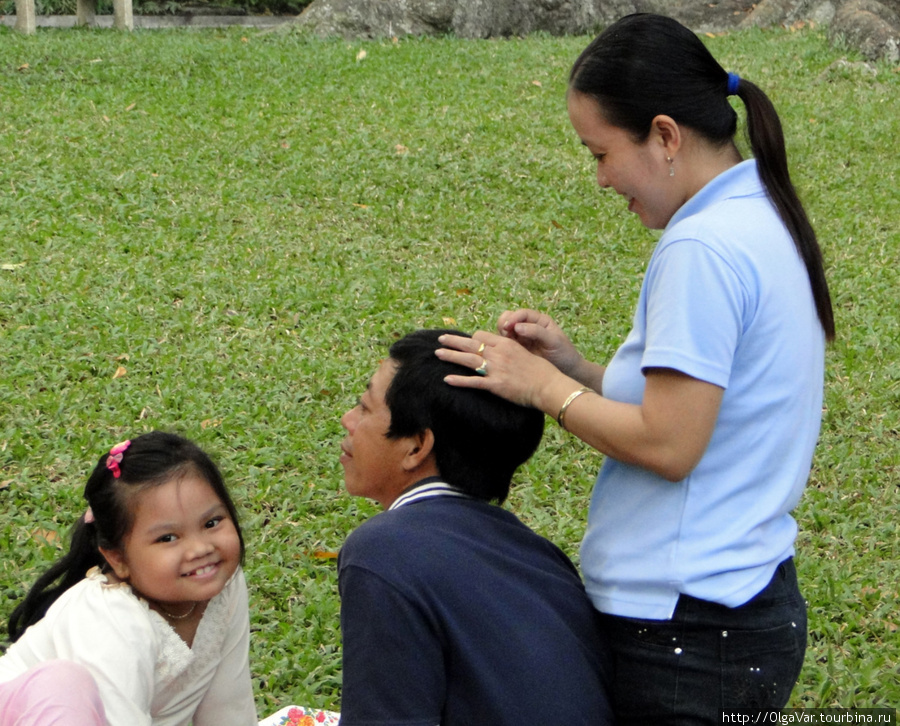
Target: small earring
<point x="671" y="166"/>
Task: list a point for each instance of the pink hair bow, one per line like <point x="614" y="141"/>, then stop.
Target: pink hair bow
<point x="115" y="458"/>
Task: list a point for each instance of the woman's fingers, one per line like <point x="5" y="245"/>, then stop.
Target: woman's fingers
<point x="508" y="320"/>
<point x="468" y="352"/>
<point x="474" y="346"/>
<point x="503" y="367"/>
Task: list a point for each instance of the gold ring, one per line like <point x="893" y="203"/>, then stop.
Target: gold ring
<point x="482" y="369"/>
<point x="480" y="349"/>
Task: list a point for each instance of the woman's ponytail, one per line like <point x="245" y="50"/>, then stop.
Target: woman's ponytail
<point x="767" y="143"/>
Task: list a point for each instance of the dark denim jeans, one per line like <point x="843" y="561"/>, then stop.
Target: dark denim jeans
<point x="709" y="659"/>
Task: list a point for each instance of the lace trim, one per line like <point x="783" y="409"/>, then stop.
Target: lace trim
<point x="176" y="661"/>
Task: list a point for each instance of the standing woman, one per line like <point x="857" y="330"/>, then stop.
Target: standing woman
<point x="708" y="413"/>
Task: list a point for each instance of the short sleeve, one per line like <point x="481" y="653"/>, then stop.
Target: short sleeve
<point x="695" y="307"/>
<point x="393" y="669"/>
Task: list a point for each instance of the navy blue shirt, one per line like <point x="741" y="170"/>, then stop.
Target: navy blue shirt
<point x="455" y="613"/>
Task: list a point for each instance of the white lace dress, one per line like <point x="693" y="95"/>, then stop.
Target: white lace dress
<point x="146" y="673"/>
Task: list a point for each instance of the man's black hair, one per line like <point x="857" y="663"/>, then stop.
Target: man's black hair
<point x="479" y="439"/>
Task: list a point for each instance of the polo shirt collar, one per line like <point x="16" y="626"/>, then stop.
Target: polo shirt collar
<point x="741" y="180"/>
<point x="428" y="488"/>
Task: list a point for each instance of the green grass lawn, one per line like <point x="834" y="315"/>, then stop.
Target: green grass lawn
<point x="220" y="232"/>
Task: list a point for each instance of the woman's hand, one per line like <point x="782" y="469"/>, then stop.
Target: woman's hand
<point x="540" y="335"/>
<point x="506" y="368"/>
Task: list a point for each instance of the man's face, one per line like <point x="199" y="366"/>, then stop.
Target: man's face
<point x="373" y="463"/>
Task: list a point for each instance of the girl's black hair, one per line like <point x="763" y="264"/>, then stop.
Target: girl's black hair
<point x="150" y="460"/>
<point x="645" y="65"/>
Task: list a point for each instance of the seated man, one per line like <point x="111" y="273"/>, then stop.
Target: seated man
<point x="453" y="612"/>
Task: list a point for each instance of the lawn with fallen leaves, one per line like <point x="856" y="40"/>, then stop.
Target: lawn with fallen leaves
<point x="220" y="232"/>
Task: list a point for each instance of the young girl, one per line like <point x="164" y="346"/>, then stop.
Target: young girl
<point x="150" y="600"/>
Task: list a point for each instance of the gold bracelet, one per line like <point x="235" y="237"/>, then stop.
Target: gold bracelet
<point x="561" y="416"/>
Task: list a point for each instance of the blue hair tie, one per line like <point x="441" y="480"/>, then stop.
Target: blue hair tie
<point x="733" y="80"/>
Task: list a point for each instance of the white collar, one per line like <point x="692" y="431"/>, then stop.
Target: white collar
<point x="428" y="489"/>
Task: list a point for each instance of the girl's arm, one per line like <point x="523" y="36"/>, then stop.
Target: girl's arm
<point x="108" y="632"/>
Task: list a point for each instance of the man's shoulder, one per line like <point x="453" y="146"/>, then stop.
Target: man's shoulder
<point x="419" y="521"/>
<point x="441" y="528"/>
<point x="394" y="541"/>
<point x="370" y="531"/>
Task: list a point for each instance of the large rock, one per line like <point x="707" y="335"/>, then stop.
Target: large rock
<point x="501" y="18"/>
<point x="870" y="25"/>
<point x="771" y="13"/>
<point x="712" y="16"/>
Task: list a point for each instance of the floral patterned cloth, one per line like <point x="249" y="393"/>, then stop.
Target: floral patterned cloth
<point x="300" y="716"/>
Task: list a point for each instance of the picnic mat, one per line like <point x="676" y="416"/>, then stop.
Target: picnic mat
<point x="301" y="716"/>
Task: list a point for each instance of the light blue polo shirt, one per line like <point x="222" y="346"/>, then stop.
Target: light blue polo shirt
<point x="725" y="299"/>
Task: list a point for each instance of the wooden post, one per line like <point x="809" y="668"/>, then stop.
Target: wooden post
<point x="85" y="11"/>
<point x="25" y="19"/>
<point x="85" y="14"/>
<point x="123" y="17"/>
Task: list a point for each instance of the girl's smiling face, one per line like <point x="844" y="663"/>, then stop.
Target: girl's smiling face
<point x="637" y="171"/>
<point x="183" y="546"/>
